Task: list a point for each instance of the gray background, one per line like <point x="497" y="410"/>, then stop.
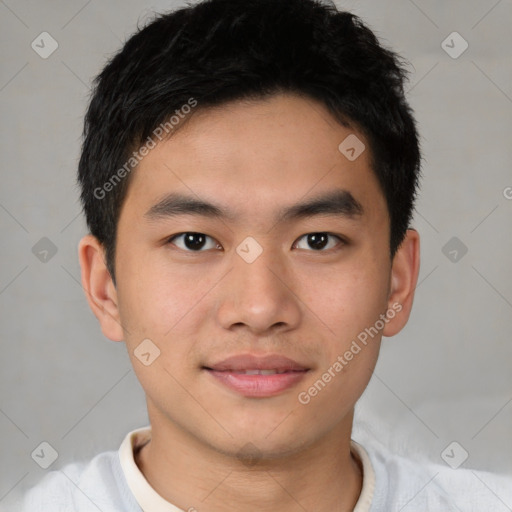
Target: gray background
<point x="447" y="377"/>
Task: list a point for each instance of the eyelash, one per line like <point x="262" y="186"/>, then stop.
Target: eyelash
<point x="342" y="241"/>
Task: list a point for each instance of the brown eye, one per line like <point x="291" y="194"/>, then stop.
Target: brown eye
<point x="319" y="241"/>
<point x="193" y="242"/>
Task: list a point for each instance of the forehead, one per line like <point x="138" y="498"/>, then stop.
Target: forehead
<point x="258" y="156"/>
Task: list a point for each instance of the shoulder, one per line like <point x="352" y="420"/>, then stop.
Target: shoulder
<point x="408" y="485"/>
<point x="82" y="487"/>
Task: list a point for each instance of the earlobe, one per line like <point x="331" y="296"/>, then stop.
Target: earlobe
<point x="404" y="277"/>
<point x="99" y="287"/>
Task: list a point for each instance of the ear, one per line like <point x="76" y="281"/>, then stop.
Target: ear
<point x="404" y="276"/>
<point x="99" y="287"/>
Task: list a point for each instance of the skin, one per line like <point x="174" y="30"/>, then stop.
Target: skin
<point x="201" y="307"/>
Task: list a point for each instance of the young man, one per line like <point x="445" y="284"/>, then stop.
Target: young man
<point x="248" y="175"/>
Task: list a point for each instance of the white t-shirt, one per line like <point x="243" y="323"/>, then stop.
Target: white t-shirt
<point x="112" y="482"/>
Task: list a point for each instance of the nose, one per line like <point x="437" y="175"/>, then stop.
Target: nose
<point x="259" y="295"/>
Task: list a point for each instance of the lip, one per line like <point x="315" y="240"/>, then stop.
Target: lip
<point x="251" y="361"/>
<point x="229" y="373"/>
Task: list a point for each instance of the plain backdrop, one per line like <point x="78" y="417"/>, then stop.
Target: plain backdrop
<point x="446" y="377"/>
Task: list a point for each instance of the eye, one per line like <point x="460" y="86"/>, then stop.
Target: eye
<point x="318" y="241"/>
<point x="193" y="242"/>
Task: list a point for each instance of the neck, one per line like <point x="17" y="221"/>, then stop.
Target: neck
<point x="185" y="471"/>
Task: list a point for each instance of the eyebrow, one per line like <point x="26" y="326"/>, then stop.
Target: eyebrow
<point x="338" y="202"/>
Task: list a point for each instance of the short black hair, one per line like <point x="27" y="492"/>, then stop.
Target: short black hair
<point x="219" y="51"/>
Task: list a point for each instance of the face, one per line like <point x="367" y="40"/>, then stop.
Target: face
<point x="249" y="243"/>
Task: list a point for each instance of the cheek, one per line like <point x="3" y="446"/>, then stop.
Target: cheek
<point x="347" y="299"/>
<point x="160" y="307"/>
<point x="155" y="296"/>
<point x="348" y="304"/>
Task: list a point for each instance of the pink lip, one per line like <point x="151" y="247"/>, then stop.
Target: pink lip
<point x="253" y="362"/>
<point x="228" y="372"/>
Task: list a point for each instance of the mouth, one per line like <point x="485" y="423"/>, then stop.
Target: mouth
<point x="256" y="371"/>
<point x="256" y="376"/>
